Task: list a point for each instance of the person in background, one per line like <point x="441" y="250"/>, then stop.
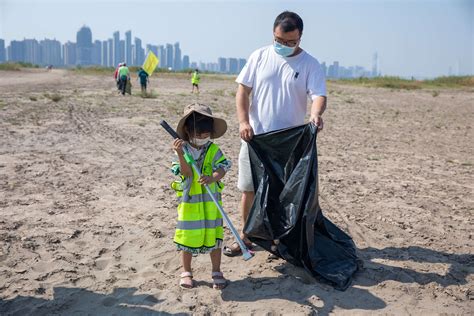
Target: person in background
<point x="195" y="79"/>
<point x="116" y="76"/>
<point x="143" y="77"/>
<point x="124" y="77"/>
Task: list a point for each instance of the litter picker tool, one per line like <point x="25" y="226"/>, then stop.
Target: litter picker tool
<point x="246" y="253"/>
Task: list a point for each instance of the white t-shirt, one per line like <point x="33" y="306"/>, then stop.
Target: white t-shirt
<point x="280" y="88"/>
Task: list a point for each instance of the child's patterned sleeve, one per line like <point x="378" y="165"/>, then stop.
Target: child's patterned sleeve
<point x="220" y="161"/>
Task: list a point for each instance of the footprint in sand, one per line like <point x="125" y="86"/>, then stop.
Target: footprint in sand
<point x="101" y="264"/>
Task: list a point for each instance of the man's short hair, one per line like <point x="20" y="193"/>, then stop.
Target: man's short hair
<point x="288" y="21"/>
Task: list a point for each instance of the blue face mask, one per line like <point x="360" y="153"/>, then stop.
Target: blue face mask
<point x="283" y="50"/>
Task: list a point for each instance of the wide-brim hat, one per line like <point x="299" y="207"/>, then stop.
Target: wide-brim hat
<point x="220" y="125"/>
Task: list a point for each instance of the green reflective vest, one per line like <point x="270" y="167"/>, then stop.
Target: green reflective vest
<point x="199" y="220"/>
<point x="195" y="78"/>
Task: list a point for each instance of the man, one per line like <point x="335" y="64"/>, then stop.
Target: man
<point x="281" y="76"/>
<point x="143" y="76"/>
<point x="195" y="80"/>
<point x="124" y="76"/>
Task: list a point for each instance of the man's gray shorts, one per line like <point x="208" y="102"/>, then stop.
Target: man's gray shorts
<point x="245" y="182"/>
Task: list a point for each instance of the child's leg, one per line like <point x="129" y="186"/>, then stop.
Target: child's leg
<point x="186" y="277"/>
<point x="217" y="277"/>
<point x="186" y="258"/>
<point x="216" y="260"/>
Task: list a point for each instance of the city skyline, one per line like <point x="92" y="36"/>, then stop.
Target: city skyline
<point x="87" y="51"/>
<point x="110" y="52"/>
<point x="412" y="38"/>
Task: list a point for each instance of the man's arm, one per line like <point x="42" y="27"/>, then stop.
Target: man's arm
<point x="242" y="100"/>
<point x="317" y="109"/>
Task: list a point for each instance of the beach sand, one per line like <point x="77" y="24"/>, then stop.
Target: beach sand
<point x="88" y="216"/>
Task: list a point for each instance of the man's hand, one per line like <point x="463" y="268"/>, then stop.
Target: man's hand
<point x="206" y="180"/>
<point x="318" y="121"/>
<point x="246" y="131"/>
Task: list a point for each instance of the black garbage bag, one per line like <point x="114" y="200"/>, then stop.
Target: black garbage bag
<point x="285" y="218"/>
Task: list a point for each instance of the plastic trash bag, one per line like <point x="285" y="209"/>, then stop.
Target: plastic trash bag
<point x="285" y="218"/>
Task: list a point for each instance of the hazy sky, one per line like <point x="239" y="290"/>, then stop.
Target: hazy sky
<point x="421" y="38"/>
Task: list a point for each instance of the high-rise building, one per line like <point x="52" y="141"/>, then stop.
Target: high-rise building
<point x="116" y="40"/>
<point x="222" y="64"/>
<point x="324" y="69"/>
<point x="51" y="52"/>
<point x="185" y="62"/>
<point x="375" y="61"/>
<point x="96" y="53"/>
<point x="177" y="57"/>
<point x="161" y="54"/>
<point x="333" y="70"/>
<point x="128" y="47"/>
<point x="16" y="51"/>
<point x="214" y="67"/>
<point x="169" y="56"/>
<point x="139" y="52"/>
<point x="104" y="56"/>
<point x="3" y="57"/>
<point x="242" y="62"/>
<point x="232" y="65"/>
<point x="122" y="51"/>
<point x="84" y="46"/>
<point x="32" y="53"/>
<point x="110" y="53"/>
<point x="69" y="54"/>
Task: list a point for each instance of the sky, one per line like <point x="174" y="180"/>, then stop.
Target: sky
<point x="412" y="38"/>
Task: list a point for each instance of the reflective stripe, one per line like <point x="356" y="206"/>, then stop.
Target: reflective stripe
<point x="198" y="198"/>
<point x="202" y="224"/>
<point x="217" y="156"/>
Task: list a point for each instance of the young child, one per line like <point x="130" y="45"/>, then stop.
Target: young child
<point x="199" y="228"/>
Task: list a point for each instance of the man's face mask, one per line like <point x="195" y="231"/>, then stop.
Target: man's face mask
<point x="283" y="50"/>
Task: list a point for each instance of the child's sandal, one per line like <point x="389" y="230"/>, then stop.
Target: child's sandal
<point x="219" y="281"/>
<point x="186" y="282"/>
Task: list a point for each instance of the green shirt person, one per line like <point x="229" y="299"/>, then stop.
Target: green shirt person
<point x="124" y="76"/>
<point x="195" y="80"/>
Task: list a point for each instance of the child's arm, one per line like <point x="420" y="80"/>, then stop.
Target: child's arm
<point x="184" y="167"/>
<point x="216" y="176"/>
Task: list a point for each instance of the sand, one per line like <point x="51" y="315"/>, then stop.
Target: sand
<point x="87" y="213"/>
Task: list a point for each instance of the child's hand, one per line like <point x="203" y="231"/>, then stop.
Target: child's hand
<point x="178" y="146"/>
<point x="206" y="180"/>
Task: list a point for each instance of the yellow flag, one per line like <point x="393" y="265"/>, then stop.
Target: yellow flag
<point x="150" y="63"/>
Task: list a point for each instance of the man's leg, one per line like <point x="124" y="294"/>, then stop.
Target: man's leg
<point x="124" y="85"/>
<point x="245" y="185"/>
<point x="245" y="205"/>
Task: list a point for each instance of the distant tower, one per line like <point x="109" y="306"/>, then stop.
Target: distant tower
<point x="84" y="46"/>
<point x="139" y="52"/>
<point x="185" y="62"/>
<point x="128" y="47"/>
<point x="375" y="62"/>
<point x="161" y="54"/>
<point x="177" y="57"/>
<point x="116" y="50"/>
<point x="3" y="57"/>
<point x="169" y="56"/>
